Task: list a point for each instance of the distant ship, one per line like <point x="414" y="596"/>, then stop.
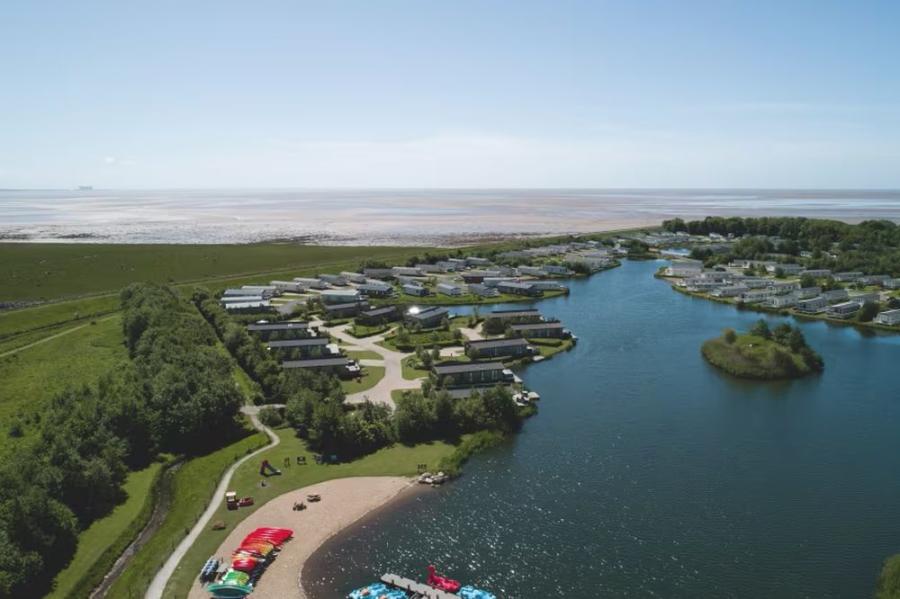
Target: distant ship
<point x="85" y="187"/>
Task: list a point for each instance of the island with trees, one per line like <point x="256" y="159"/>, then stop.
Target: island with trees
<point x="763" y="353"/>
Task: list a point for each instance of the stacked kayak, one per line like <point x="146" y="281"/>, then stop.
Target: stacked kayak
<point x="248" y="562"/>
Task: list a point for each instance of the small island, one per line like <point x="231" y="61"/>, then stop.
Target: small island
<point x="763" y="354"/>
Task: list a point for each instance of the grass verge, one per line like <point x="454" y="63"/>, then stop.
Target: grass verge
<point x="371" y="375"/>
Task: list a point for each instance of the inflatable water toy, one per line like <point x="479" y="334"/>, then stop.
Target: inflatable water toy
<point x="442" y="583"/>
<point x="470" y="592"/>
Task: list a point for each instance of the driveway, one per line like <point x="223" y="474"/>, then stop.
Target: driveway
<point x="392" y="362"/>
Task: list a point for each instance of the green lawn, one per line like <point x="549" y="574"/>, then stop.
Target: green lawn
<point x="365" y="354"/>
<point x="30" y="378"/>
<point x="370" y="377"/>
<point x="192" y="489"/>
<point x="550" y="347"/>
<point x="410" y="372"/>
<point x="48" y="271"/>
<point x="398" y="460"/>
<point x="102" y="543"/>
<point x="427" y="339"/>
<point x="362" y="330"/>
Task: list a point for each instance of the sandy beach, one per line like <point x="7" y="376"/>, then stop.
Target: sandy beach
<point x="344" y="501"/>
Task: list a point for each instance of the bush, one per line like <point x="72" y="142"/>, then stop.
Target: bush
<point x="271" y="417"/>
<point x="730" y="336"/>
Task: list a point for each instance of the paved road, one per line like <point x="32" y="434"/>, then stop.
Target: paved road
<point x="393" y="368"/>
<point x="158" y="584"/>
<point x="52" y="337"/>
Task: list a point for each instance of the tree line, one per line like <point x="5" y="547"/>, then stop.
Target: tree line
<point x="872" y="246"/>
<point x="175" y="395"/>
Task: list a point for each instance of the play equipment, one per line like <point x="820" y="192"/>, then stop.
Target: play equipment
<point x="442" y="583"/>
<point x="267" y="469"/>
<point x="470" y="592"/>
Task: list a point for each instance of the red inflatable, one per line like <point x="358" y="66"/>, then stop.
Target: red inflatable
<point x="276" y="536"/>
<point x="244" y="564"/>
<point x="442" y="582"/>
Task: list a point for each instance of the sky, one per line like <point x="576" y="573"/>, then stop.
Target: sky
<point x="421" y="94"/>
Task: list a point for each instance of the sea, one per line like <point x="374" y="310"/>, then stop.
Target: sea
<point x="648" y="473"/>
<point x="395" y="217"/>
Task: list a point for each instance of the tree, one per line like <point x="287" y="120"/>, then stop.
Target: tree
<point x="761" y="329"/>
<point x="867" y="312"/>
<point x="730" y="336"/>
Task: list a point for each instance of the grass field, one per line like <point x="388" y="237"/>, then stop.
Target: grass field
<point x="370" y="377"/>
<point x="31" y="377"/>
<point x="398" y="460"/>
<point x="101" y="543"/>
<point x="28" y="319"/>
<point x="365" y="354"/>
<point x="53" y="271"/>
<point x="192" y="489"/>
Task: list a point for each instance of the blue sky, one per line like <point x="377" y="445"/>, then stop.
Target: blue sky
<point x="450" y="94"/>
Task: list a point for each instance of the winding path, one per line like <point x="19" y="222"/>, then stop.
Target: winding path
<point x="392" y="362"/>
<point x="158" y="584"/>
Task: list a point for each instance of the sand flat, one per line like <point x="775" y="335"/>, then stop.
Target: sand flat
<point x="344" y="501"/>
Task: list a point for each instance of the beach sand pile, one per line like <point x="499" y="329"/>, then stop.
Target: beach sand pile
<point x="344" y="501"/>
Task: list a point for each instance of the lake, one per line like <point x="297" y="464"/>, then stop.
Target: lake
<point x="649" y="474"/>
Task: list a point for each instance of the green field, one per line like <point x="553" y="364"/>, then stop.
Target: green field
<point x="33" y="271"/>
<point x="192" y="489"/>
<point x="365" y="354"/>
<point x="410" y="372"/>
<point x="32" y="376"/>
<point x="398" y="460"/>
<point x="102" y="543"/>
<point x="370" y="377"/>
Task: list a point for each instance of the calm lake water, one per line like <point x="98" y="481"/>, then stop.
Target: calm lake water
<point x="649" y="474"/>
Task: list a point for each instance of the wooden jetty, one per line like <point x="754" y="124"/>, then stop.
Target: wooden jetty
<point x="417" y="588"/>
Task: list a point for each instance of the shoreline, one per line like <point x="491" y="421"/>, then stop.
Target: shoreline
<point x="312" y="569"/>
<point x="345" y="502"/>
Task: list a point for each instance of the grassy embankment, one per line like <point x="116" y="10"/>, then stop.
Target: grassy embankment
<point x="889" y="581"/>
<point x="398" y="460"/>
<point x="753" y="357"/>
<point x="103" y="541"/>
<point x="191" y="490"/>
